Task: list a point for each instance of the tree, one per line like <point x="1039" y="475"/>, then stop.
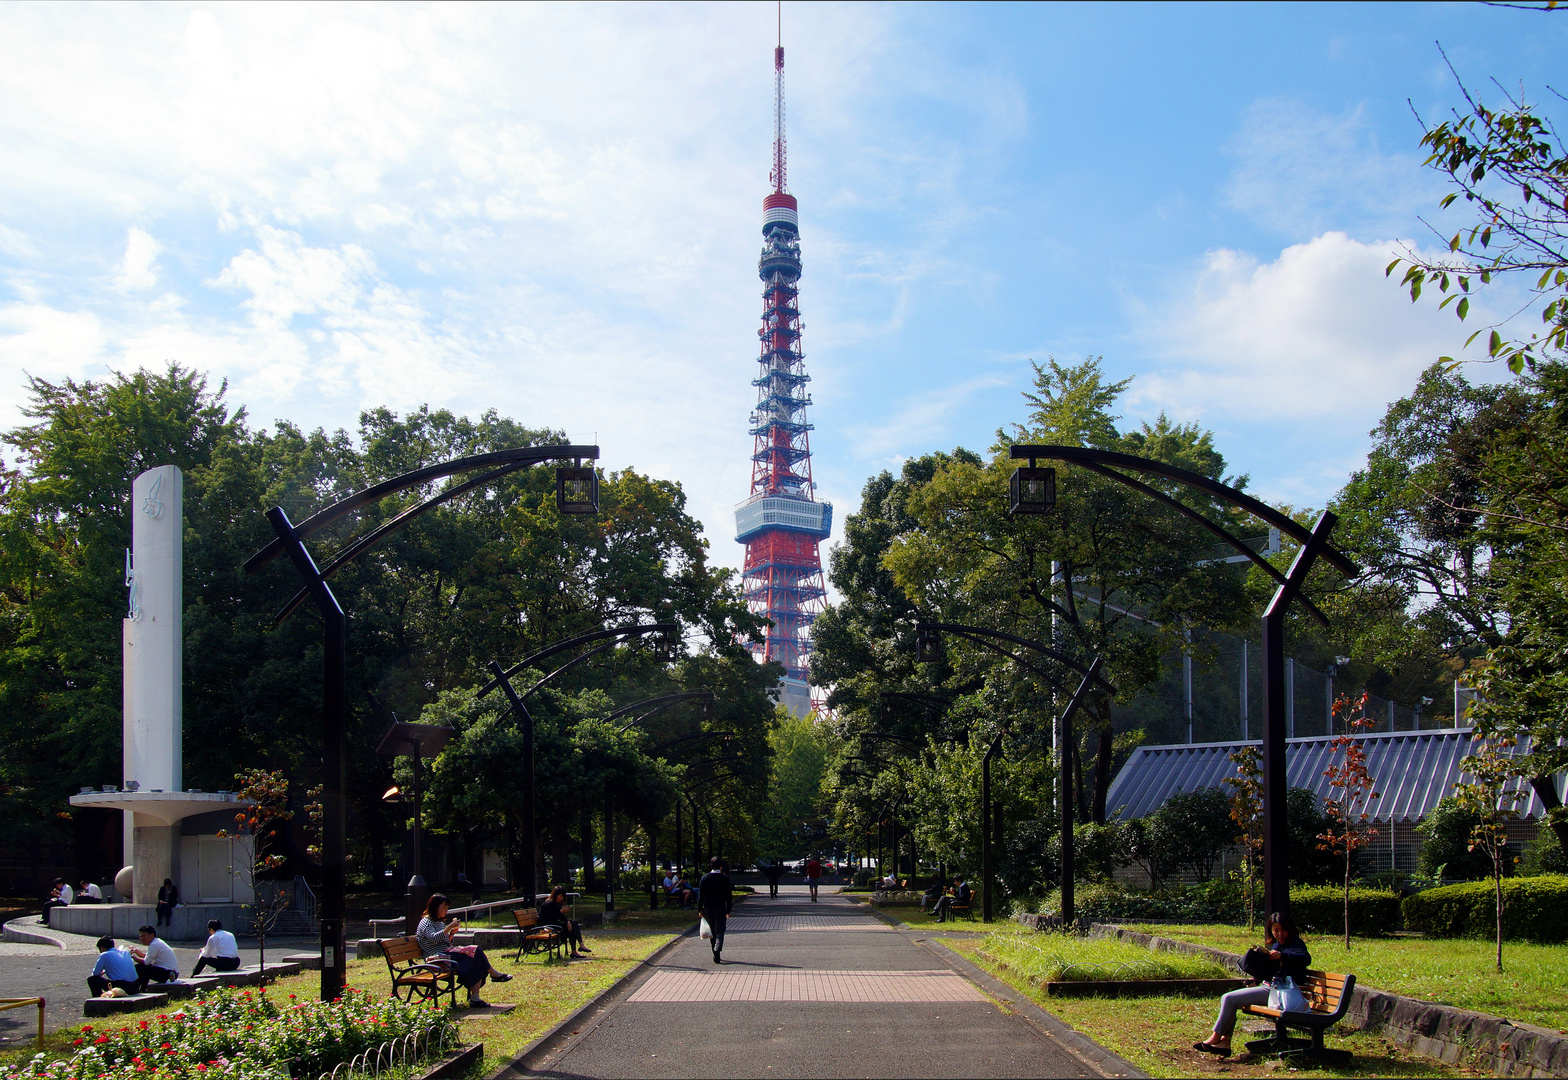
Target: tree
<point x="1350" y="806"/>
<point x="791" y="819"/>
<point x="1246" y="814"/>
<point x="268" y="795"/>
<point x="1492" y="796"/>
<point x="1446" y="852"/>
<point x="1509" y="166"/>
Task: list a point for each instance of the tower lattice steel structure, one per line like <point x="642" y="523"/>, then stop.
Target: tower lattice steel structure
<point x="782" y="523"/>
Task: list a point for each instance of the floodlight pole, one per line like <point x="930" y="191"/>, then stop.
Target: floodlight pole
<point x="1314" y="544"/>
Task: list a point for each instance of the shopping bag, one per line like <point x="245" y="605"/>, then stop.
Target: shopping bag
<point x="1285" y="996"/>
<point x="704" y="931"/>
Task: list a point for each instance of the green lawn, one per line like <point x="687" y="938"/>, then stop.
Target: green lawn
<point x="1156" y="1033"/>
<point x="1449" y="971"/>
<point x="1038" y="957"/>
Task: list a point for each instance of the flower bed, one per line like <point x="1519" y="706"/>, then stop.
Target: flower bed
<point x="235" y="1033"/>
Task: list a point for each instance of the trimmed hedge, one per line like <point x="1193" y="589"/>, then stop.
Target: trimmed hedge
<point x="1320" y="909"/>
<point x="1534" y="908"/>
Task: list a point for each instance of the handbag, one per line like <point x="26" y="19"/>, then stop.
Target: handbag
<point x="1258" y="965"/>
<point x="1285" y="996"/>
<point x="704" y="931"/>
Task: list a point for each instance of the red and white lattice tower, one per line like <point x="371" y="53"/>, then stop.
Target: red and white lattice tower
<point x="781" y="523"/>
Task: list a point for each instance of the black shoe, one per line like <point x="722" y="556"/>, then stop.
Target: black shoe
<point x="1221" y="1052"/>
<point x="503" y="977"/>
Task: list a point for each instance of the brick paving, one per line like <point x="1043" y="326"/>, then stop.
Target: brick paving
<point x="858" y="986"/>
<point x="755" y="924"/>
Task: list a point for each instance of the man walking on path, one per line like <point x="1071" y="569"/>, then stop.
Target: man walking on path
<point x="813" y="875"/>
<point x="773" y="872"/>
<point x="715" y="898"/>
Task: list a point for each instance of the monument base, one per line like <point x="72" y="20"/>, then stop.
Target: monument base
<point x="187" y="923"/>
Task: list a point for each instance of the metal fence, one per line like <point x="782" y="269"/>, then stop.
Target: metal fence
<point x="395" y="1058"/>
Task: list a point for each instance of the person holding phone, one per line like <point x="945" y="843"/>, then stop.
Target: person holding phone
<point x="1287" y="955"/>
<point x="435" y="942"/>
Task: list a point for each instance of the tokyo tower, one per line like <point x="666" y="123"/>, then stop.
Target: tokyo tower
<point x="781" y="523"/>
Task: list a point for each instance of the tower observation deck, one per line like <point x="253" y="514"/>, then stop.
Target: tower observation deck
<point x="782" y="522"/>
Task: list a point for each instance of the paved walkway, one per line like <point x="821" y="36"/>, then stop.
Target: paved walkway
<point x="823" y="989"/>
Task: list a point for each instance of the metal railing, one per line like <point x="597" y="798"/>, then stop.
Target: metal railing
<point x="22" y="1003"/>
<point x="489" y="910"/>
<point x="395" y="1054"/>
<point x="304" y="898"/>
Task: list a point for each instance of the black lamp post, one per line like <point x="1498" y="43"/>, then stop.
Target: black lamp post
<point x="418" y="741"/>
<point x="582" y="497"/>
<point x="1314" y="544"/>
<point x="667" y="632"/>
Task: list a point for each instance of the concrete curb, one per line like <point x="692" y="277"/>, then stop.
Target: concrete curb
<point x="557" y="1037"/>
<point x="1070" y="1039"/>
<point x="32" y="934"/>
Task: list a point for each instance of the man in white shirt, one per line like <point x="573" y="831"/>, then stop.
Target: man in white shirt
<point x="155" y="961"/>
<point x="89" y="894"/>
<point x="221" y="953"/>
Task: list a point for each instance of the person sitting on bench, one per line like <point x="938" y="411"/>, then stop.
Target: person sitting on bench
<point x="155" y="961"/>
<point x="552" y="913"/>
<point x="113" y="971"/>
<point x="960" y="893"/>
<point x="221" y="953"/>
<point x="1288" y="956"/>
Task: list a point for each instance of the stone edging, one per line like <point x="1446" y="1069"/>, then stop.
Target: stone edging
<point x="30" y="935"/>
<point x="1456" y="1036"/>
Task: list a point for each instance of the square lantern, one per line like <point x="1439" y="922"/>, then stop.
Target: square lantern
<point x="576" y="490"/>
<point x="666" y="648"/>
<point x="1033" y="490"/>
<point x="928" y="644"/>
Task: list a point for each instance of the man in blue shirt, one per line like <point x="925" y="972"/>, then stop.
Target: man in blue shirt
<point x="113" y="969"/>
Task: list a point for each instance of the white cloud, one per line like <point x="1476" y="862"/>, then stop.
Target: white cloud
<point x="1299" y="173"/>
<point x="139" y="268"/>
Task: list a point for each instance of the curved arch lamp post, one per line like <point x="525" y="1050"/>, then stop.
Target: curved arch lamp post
<point x="1033" y="491"/>
<point x="669" y="643"/>
<point x="928" y="649"/>
<point x="577" y="492"/>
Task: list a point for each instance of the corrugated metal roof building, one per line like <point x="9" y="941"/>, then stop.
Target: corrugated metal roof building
<point x="1413" y="770"/>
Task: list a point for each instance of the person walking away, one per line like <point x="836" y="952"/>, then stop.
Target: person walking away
<point x="960" y="893"/>
<point x="553" y="913"/>
<point x="155" y="961"/>
<point x="221" y="953"/>
<point x="773" y="872"/>
<point x="472" y="965"/>
<point x="813" y="876"/>
<point x="1287" y="955"/>
<point x="715" y="899"/>
<point x="113" y="971"/>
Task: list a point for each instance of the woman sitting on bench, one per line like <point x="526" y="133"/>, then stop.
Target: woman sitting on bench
<point x="553" y="913"/>
<point x="1287" y="955"/>
<point x="435" y="942"/>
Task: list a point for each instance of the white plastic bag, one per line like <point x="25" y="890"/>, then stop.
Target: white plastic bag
<point x="1285" y="996"/>
<point x="704" y="931"/>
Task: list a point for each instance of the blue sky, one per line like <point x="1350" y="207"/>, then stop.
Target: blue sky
<point x="555" y="211"/>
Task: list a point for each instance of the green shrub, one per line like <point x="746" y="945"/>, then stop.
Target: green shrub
<point x="1534" y="908"/>
<point x="1320" y="909"/>
<point x="1544" y="855"/>
<point x="1445" y="847"/>
<point x="1207" y="901"/>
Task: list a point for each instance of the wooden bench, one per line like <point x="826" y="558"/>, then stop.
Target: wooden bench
<point x="1328" y="996"/>
<point x="409" y="972"/>
<point x="534" y="938"/>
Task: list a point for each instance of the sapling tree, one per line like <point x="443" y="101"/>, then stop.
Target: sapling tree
<point x="1349" y="808"/>
<point x="1246" y="811"/>
<point x="1492" y="794"/>
<point x="268" y="796"/>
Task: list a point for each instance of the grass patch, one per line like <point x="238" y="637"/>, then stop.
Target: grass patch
<point x="544" y="991"/>
<point x="1041" y="957"/>
<point x="1448" y="971"/>
<point x="1156" y="1034"/>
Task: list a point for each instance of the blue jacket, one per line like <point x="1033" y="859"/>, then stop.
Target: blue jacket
<point x="116" y="966"/>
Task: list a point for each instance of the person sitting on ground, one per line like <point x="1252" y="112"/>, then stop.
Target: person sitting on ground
<point x="472" y="965"/>
<point x="168" y="900"/>
<point x="553" y="913"/>
<point x="1289" y="956"/>
<point x="89" y="893"/>
<point x="59" y="896"/>
<point x="960" y="893"/>
<point x="155" y="961"/>
<point x="221" y="953"/>
<point x="113" y="971"/>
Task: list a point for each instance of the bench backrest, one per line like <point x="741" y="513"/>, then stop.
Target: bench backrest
<point x="525" y="918"/>
<point x="1327" y="991"/>
<point x="401" y="950"/>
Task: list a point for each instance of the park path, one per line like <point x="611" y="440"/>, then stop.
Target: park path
<point x="817" y="990"/>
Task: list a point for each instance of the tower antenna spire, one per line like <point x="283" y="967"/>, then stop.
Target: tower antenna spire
<point x="779" y="185"/>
